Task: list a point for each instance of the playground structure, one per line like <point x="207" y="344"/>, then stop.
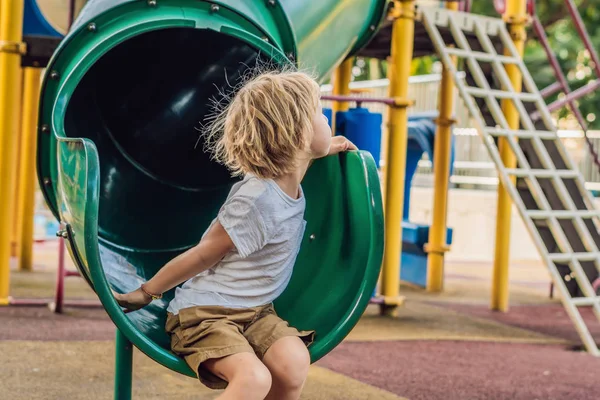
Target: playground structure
<point x="103" y="208"/>
<point x="40" y="39"/>
<point x="549" y="193"/>
<point x="353" y="124"/>
<point x="535" y="168"/>
<point x="79" y="192"/>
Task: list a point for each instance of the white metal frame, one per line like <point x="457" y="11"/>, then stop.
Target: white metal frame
<point x="483" y="28"/>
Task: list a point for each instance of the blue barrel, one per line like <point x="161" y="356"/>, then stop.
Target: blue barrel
<point x="421" y="137"/>
<point x="361" y="127"/>
<point x="35" y="23"/>
<point x="328" y="112"/>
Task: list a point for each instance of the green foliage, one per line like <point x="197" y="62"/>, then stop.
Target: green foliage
<point x="423" y="65"/>
<point x="565" y="42"/>
<point x="568" y="47"/>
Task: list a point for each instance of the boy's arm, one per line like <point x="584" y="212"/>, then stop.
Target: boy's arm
<point x="211" y="249"/>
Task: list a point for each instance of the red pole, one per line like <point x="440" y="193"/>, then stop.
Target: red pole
<point x="574" y="95"/>
<point x="551" y="89"/>
<point x="381" y="100"/>
<point x="465" y="5"/>
<point x="60" y="278"/>
<point x="579" y="25"/>
<point x="560" y="77"/>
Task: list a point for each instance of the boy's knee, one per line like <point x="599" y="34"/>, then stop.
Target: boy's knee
<point x="256" y="380"/>
<point x="261" y="379"/>
<point x="292" y="370"/>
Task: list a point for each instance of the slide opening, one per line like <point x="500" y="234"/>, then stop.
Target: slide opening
<point x="149" y="96"/>
<point x="142" y="104"/>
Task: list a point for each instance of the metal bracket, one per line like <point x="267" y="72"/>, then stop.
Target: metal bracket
<point x="512" y="20"/>
<point x="19" y="48"/>
<point x="444" y="121"/>
<point x="400" y="102"/>
<point x="516" y="26"/>
<point x="39" y="50"/>
<point x="395" y="11"/>
<point x="428" y="248"/>
<point x="393" y="301"/>
<point x="63" y="233"/>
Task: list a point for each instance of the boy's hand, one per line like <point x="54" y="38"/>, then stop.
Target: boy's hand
<point x="133" y="300"/>
<point x="340" y="144"/>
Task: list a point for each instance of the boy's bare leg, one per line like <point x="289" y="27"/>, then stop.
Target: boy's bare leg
<point x="288" y="360"/>
<point x="248" y="377"/>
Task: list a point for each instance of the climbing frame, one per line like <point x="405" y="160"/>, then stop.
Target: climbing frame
<point x="545" y="186"/>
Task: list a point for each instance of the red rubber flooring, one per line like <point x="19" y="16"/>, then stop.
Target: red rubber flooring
<point x="426" y="370"/>
<point x="39" y="323"/>
<point x="551" y="319"/>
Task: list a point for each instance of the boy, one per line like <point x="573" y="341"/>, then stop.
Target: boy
<point x="221" y="319"/>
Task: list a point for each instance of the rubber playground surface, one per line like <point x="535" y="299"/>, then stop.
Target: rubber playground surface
<point x="447" y="346"/>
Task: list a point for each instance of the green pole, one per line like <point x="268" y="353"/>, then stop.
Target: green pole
<point x="123" y="367"/>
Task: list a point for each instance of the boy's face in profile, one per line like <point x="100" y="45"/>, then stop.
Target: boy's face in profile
<point x="321" y="135"/>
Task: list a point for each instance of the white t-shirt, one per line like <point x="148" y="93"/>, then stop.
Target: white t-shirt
<point x="266" y="226"/>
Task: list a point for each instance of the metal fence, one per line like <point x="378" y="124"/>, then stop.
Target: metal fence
<point x="472" y="166"/>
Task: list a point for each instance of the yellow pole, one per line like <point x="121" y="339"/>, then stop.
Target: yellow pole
<point x="442" y="145"/>
<point x="11" y="26"/>
<point x="25" y="208"/>
<point x="14" y="241"/>
<point x="341" y="84"/>
<point x="516" y="18"/>
<point x="342" y="77"/>
<point x="401" y="55"/>
<point x="374" y="69"/>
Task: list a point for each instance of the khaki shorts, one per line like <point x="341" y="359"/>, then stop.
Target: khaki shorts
<point x="203" y="333"/>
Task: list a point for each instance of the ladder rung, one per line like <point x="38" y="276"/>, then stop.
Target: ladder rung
<point x="499" y="94"/>
<point x="563" y="214"/>
<point x="565" y="173"/>
<point x="541" y="224"/>
<point x="566" y="257"/>
<point x="542" y="173"/>
<point x="520" y="134"/>
<point x="585" y="301"/>
<point x="480" y="56"/>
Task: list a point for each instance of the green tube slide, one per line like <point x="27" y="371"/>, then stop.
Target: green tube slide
<point x="121" y="164"/>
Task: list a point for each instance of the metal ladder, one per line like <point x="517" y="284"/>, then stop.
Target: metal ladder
<point x="546" y="187"/>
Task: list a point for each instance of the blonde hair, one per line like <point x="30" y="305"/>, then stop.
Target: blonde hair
<point x="265" y="125"/>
